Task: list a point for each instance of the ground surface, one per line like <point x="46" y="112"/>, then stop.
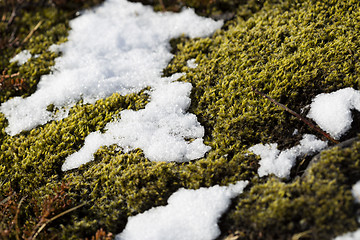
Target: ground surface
<point x="290" y="50"/>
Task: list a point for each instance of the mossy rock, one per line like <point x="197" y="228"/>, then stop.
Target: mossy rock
<point x="290" y="50"/>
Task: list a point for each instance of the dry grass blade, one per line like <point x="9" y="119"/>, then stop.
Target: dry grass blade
<point x="301" y="235"/>
<point x="31" y="32"/>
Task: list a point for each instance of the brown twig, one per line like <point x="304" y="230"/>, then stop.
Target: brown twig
<point x="12" y="17"/>
<point x="298" y="116"/>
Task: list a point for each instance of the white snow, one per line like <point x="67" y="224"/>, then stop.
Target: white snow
<point x="56" y="48"/>
<point x="332" y="111"/>
<point x="350" y="236"/>
<point x="21" y="57"/>
<point x="190" y="214"/>
<point x="191" y="63"/>
<point x="280" y="163"/>
<point x="159" y="129"/>
<point x="356" y="192"/>
<point x="121" y="47"/>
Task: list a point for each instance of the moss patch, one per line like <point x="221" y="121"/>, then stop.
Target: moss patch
<point x="290" y="50"/>
<point x="317" y="206"/>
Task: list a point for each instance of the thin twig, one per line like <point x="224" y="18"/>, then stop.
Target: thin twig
<point x="12" y="17"/>
<point x="298" y="116"/>
<point x="56" y="217"/>
<point x="31" y="32"/>
<point x="17" y="229"/>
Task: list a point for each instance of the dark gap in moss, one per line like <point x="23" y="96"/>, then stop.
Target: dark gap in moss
<point x="355" y="126"/>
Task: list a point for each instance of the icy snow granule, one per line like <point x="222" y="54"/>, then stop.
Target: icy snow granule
<point x="332" y="111"/>
<point x="21" y="57"/>
<point x="190" y="214"/>
<point x="280" y="163"/>
<point x="350" y="236"/>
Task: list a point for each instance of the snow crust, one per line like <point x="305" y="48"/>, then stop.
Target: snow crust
<point x="280" y="163"/>
<point x="190" y="214"/>
<point x="121" y="47"/>
<point x="332" y="111"/>
<point x="21" y="57"/>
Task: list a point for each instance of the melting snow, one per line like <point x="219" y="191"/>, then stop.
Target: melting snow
<point x="21" y="57"/>
<point x="281" y="162"/>
<point x="332" y="111"/>
<point x="121" y="47"/>
<point x="190" y="214"/>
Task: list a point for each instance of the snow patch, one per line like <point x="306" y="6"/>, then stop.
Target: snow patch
<point x="280" y="163"/>
<point x="21" y="57"/>
<point x="191" y="63"/>
<point x="117" y="47"/>
<point x="356" y="192"/>
<point x="349" y="236"/>
<point x="332" y="111"/>
<point x="159" y="130"/>
<point x="190" y="214"/>
<point x="121" y="47"/>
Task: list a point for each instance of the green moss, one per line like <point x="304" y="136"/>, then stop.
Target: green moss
<point x="53" y="30"/>
<point x="218" y="9"/>
<point x="319" y="205"/>
<point x="37" y="25"/>
<point x="290" y="50"/>
<point x="33" y="157"/>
